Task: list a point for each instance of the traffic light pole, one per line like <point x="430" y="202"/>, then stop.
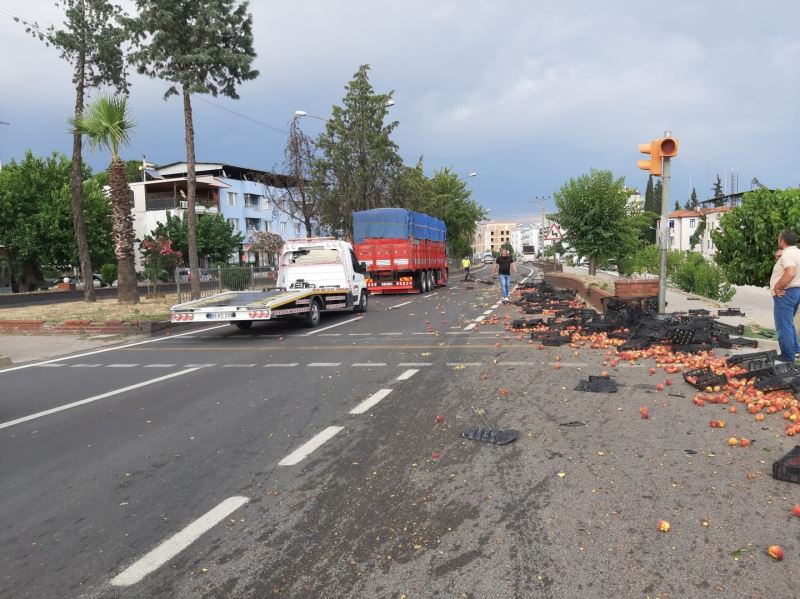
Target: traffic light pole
<point x="662" y="273"/>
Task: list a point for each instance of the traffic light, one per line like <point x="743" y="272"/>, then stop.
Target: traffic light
<point x="666" y="147"/>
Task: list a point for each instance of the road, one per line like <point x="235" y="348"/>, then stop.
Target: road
<point x="292" y="462"/>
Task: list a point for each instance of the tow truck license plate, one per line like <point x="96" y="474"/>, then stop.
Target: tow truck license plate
<point x="224" y="314"/>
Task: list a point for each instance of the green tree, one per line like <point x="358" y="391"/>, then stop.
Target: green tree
<point x="36" y="223"/>
<point x="650" y="198"/>
<point x="216" y="238"/>
<point x="693" y="203"/>
<point x="199" y="47"/>
<point x="107" y="125"/>
<point x="717" y="192"/>
<point x="593" y="214"/>
<point x="658" y="191"/>
<point x="677" y="205"/>
<point x="91" y="42"/>
<point x="358" y="160"/>
<point x="748" y="234"/>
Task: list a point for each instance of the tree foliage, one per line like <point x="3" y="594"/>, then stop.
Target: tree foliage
<point x="692" y="203"/>
<point x="36" y="217"/>
<point x="358" y="160"/>
<point x="216" y="238"/>
<point x="748" y="234"/>
<point x="593" y="214"/>
<point x="198" y="47"/>
<point x="445" y="196"/>
<point x="91" y="41"/>
<point x="650" y="197"/>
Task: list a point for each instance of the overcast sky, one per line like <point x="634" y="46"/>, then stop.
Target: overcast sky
<point x="525" y="93"/>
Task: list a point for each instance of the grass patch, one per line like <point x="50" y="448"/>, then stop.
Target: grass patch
<point x="755" y="331"/>
<point x="99" y="311"/>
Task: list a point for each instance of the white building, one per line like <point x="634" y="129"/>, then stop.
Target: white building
<point x="683" y="225"/>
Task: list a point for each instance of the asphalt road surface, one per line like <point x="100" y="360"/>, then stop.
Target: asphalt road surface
<point x="292" y="462"/>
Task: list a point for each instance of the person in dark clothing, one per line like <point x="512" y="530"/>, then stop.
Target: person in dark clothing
<point x="504" y="266"/>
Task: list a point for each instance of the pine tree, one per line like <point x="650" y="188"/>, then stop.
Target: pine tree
<point x="693" y="203"/>
<point x="677" y="205"/>
<point x="657" y="192"/>
<point x="649" y="197"/>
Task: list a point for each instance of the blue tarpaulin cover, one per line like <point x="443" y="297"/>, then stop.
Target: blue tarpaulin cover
<point x="396" y="223"/>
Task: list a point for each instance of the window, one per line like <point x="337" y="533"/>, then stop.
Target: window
<point x="691" y="223"/>
<point x="283" y="228"/>
<point x="253" y="224"/>
<point x="267" y="204"/>
<point x="251" y="200"/>
<point x="232" y="198"/>
<point x="234" y="222"/>
<point x="297" y="229"/>
<point x="268" y="225"/>
<point x="672" y="224"/>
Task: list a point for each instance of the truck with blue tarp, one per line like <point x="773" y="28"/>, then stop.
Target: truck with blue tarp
<point x="404" y="251"/>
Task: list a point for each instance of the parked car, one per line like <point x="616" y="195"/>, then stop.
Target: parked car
<point x="488" y="258"/>
<point x="97" y="281"/>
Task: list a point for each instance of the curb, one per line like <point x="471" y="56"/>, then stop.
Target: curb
<point x="5" y="361"/>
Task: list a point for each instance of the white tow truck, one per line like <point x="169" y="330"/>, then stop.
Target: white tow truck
<point x="314" y="275"/>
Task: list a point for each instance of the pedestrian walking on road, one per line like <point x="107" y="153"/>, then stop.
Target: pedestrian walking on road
<point x="465" y="264"/>
<point x="504" y="266"/>
<point x="784" y="284"/>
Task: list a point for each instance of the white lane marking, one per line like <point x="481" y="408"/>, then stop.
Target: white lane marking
<point x="331" y="335"/>
<point x="199" y="365"/>
<point x="238" y="365"/>
<point x="407" y="374"/>
<point x="367" y="364"/>
<point x="431" y="333"/>
<point x="159" y="365"/>
<point x="392" y="334"/>
<point x="434" y="294"/>
<point x="415" y="364"/>
<point x="121" y="365"/>
<point x="571" y="364"/>
<point x="108" y="349"/>
<point x="338" y="324"/>
<point x="370" y="401"/>
<point x="94" y="398"/>
<point x="277" y="365"/>
<point x="479" y="319"/>
<point x="451" y="364"/>
<point x="307" y="448"/>
<point x="323" y="364"/>
<point x="455" y="333"/>
<point x="50" y="365"/>
<point x="177" y="543"/>
<point x="359" y="334"/>
<point x="84" y="365"/>
<point x="487" y="312"/>
<point x="396" y="306"/>
<point x="516" y="363"/>
<point x="470" y="326"/>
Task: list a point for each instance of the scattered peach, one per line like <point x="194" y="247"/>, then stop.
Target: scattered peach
<point x="775" y="552"/>
<point x="660" y="386"/>
<point x="733" y="441"/>
<point x="439" y="418"/>
<point x="663" y="526"/>
<point x="760" y="416"/>
<point x="557" y="366"/>
<point x="713" y="424"/>
<point x="796" y="510"/>
<point x="744" y="442"/>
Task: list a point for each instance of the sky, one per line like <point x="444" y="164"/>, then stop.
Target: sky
<point x="525" y="93"/>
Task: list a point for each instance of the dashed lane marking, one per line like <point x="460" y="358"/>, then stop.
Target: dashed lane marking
<point x="396" y="306"/>
<point x="122" y="365"/>
<point x="323" y="364"/>
<point x="456" y="333"/>
<point x="359" y="334"/>
<point x="453" y="364"/>
<point x="51" y="365"/>
<point x="487" y="312"/>
<point x="177" y="543"/>
<point x="94" y="398"/>
<point x="470" y="326"/>
<point x="407" y="374"/>
<point x="85" y="365"/>
<point x="331" y="335"/>
<point x="159" y="365"/>
<point x="277" y="365"/>
<point x="238" y="365"/>
<point x="415" y="364"/>
<point x="200" y="365"/>
<point x="332" y="326"/>
<point x="391" y="334"/>
<point x="370" y="401"/>
<point x="368" y="364"/>
<point x="307" y="448"/>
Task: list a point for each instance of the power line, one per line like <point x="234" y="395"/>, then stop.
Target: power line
<point x="243" y="116"/>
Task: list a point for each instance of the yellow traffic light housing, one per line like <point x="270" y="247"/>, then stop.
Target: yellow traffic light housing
<point x="666" y="147"/>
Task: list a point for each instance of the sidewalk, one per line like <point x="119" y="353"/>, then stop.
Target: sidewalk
<point x="22" y="348"/>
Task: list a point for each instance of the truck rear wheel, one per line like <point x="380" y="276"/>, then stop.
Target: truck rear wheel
<point x="432" y="279"/>
<point x="423" y="281"/>
<point x="313" y="315"/>
<point x="243" y="325"/>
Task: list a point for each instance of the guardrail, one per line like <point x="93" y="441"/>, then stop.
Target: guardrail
<point x="217" y="280"/>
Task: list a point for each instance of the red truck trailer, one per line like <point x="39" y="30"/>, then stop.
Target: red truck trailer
<point x="404" y="251"/>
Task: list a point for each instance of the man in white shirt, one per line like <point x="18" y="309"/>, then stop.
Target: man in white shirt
<point x="784" y="284"/>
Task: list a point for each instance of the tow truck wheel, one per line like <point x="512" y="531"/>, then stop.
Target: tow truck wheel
<point x="361" y="306"/>
<point x="313" y="316"/>
<point x="243" y="325"/>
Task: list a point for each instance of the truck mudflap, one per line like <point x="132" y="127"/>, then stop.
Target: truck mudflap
<point x="244" y="306"/>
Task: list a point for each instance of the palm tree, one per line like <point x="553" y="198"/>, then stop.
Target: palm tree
<point x="106" y="124"/>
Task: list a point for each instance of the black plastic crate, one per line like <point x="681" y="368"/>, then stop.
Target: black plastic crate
<point x="555" y="341"/>
<point x="744" y="341"/>
<point x="598" y="327"/>
<point x="635" y="344"/>
<point x="700" y="378"/>
<point x="692" y="348"/>
<point x="728" y="328"/>
<point x="699" y="312"/>
<point x="759" y="358"/>
<point x="730" y="312"/>
<point x="788" y="467"/>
